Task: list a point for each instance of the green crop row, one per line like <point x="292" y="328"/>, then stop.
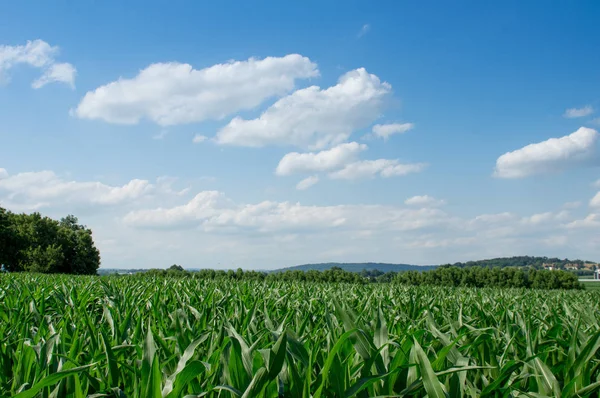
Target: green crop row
<point x="68" y="336"/>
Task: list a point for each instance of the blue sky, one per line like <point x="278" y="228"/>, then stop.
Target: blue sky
<point x="325" y="132"/>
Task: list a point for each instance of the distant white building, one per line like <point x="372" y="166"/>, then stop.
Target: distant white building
<point x="597" y="273"/>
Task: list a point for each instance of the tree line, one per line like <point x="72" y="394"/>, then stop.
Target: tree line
<point x="513" y="277"/>
<point x="508" y="277"/>
<point x="34" y="243"/>
<point x="519" y="261"/>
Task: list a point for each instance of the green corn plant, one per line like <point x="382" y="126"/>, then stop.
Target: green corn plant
<point x="147" y="336"/>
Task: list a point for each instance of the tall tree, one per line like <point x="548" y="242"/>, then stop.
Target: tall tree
<point x="81" y="256"/>
<point x="31" y="242"/>
<point x="6" y="239"/>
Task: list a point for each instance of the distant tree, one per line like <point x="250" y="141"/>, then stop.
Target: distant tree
<point x="176" y="267"/>
<point x="510" y="277"/>
<point x="518" y="261"/>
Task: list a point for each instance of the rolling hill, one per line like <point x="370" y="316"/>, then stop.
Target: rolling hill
<point x="358" y="267"/>
<point x="528" y="261"/>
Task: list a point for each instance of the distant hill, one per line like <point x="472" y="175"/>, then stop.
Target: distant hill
<point x="518" y="261"/>
<point x="527" y="261"/>
<point x="358" y="267"/>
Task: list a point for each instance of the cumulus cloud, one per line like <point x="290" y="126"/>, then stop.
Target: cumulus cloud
<point x="386" y="130"/>
<point x="542" y="218"/>
<point x="313" y="117"/>
<point x="595" y="201"/>
<point x="407" y="227"/>
<point x="164" y="184"/>
<point x="37" y="54"/>
<point x="424" y="200"/>
<point x="175" y="93"/>
<point x="591" y="221"/>
<point x="62" y="73"/>
<point x="325" y="160"/>
<point x="307" y="183"/>
<point x="199" y="138"/>
<point x="205" y="205"/>
<point x="41" y="189"/>
<point x="371" y="168"/>
<point x="494" y="218"/>
<point x="212" y="210"/>
<point x="555" y="154"/>
<point x="579" y="112"/>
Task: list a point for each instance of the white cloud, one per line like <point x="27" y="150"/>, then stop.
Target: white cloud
<point x="591" y="221"/>
<point x="424" y="200"/>
<point x="508" y="222"/>
<point x="199" y="138"/>
<point x="579" y="112"/>
<point x="495" y="218"/>
<point x="364" y="30"/>
<point x="204" y="205"/>
<point x="555" y="154"/>
<point x="3" y="173"/>
<point x="212" y="210"/>
<point x="307" y="183"/>
<point x="174" y="93"/>
<point x="45" y="187"/>
<point x="540" y="218"/>
<point x="371" y="168"/>
<point x="62" y="73"/>
<point x="37" y="54"/>
<point x="165" y="184"/>
<point x="596" y="184"/>
<point x="341" y="162"/>
<point x="386" y="130"/>
<point x="595" y="201"/>
<point x="326" y="160"/>
<point x="312" y="117"/>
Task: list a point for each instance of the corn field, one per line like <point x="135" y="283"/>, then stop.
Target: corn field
<point x="149" y="337"/>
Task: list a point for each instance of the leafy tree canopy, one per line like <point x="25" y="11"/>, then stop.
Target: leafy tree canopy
<point x="34" y="243"/>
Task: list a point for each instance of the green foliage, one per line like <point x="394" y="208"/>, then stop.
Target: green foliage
<point x="519" y="261"/>
<point x="491" y="277"/>
<point x="31" y="242"/>
<point x="147" y="336"/>
<point x="444" y="276"/>
<point x="8" y="240"/>
<point x="176" y="267"/>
